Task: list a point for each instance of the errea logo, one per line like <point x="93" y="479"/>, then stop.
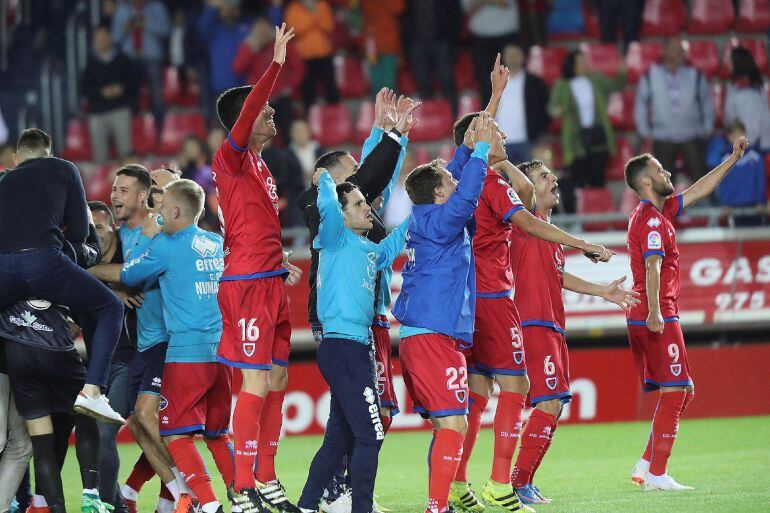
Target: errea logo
<point x="204" y="246"/>
<point x="653" y="222"/>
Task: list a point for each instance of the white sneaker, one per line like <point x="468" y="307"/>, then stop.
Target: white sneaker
<point x="663" y="483"/>
<point x="343" y="504"/>
<point x="98" y="408"/>
<point x="639" y="472"/>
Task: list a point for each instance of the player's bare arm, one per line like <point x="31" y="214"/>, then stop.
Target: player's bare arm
<point x="499" y="77"/>
<point x="524" y="188"/>
<point x="708" y="183"/>
<point x="612" y="292"/>
<point x="295" y="273"/>
<point x="108" y="273"/>
<point x="652" y="266"/>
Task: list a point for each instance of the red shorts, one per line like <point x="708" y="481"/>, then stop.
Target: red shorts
<point x="497" y="343"/>
<point x="195" y="398"/>
<point x="435" y="375"/>
<point x="382" y="352"/>
<point x="660" y="358"/>
<point x="547" y="364"/>
<point x="256" y="330"/>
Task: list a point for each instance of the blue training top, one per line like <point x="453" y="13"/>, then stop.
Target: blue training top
<point x="439" y="289"/>
<point x="347" y="268"/>
<point x="150" y="325"/>
<point x="187" y="265"/>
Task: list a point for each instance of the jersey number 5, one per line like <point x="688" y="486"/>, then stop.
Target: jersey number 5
<point x="249" y="330"/>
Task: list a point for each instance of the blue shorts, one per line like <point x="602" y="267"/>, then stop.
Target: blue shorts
<point x="146" y="373"/>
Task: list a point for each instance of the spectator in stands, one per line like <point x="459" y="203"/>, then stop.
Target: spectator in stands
<point x="431" y="29"/>
<point x="313" y="23"/>
<point x="188" y="54"/>
<point x="304" y="149"/>
<point x="383" y="41"/>
<point x="255" y="55"/>
<point x="140" y="28"/>
<point x="214" y="140"/>
<point x="107" y="11"/>
<point x="673" y="107"/>
<point x="523" y="111"/>
<point x="274" y="12"/>
<point x="492" y="24"/>
<point x="744" y="185"/>
<point x="534" y="14"/>
<point x="109" y="86"/>
<point x="222" y="28"/>
<point x="6" y="156"/>
<point x="579" y="98"/>
<point x="192" y="162"/>
<point x="746" y="99"/>
<point x="625" y="15"/>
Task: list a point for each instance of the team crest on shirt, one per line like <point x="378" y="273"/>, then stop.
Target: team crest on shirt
<point x="653" y="222"/>
<point x="558" y="261"/>
<point x="518" y="357"/>
<point x="461" y="395"/>
<point x="163" y="403"/>
<point x="249" y="348"/>
<point x="512" y="196"/>
<point x="654" y="241"/>
<point x="551" y="383"/>
<point x="676" y="369"/>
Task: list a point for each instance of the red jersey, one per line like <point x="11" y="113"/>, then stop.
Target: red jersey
<point x="497" y="203"/>
<point x="538" y="268"/>
<point x="248" y="213"/>
<point x="651" y="232"/>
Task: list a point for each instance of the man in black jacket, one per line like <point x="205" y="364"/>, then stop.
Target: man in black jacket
<point x="522" y="114"/>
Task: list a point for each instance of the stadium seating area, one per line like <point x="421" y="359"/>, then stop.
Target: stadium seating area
<point x="709" y="28"/>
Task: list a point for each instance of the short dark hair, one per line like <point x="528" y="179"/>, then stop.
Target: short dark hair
<point x="744" y="66"/>
<point x="422" y="180"/>
<point x="635" y="167"/>
<point x="33" y="139"/>
<point x="330" y="159"/>
<point x="100" y="206"/>
<point x="568" y="64"/>
<point x="139" y="172"/>
<point x="530" y="166"/>
<point x="461" y="126"/>
<point x="342" y="193"/>
<point x="229" y="105"/>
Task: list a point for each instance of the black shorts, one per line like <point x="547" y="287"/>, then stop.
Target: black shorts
<point x="43" y="382"/>
<point x="146" y="373"/>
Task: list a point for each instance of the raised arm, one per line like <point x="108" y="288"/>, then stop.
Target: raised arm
<point x="519" y="182"/>
<point x="708" y="183"/>
<point x="392" y="245"/>
<point x="499" y="78"/>
<point x="625" y="299"/>
<point x="546" y="231"/>
<point x="332" y="227"/>
<point x="463" y="152"/>
<point x="148" y="266"/>
<point x="652" y="266"/>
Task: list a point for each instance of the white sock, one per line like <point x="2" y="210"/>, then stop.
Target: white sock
<point x="129" y="493"/>
<point x="643" y="464"/>
<point x="39" y="501"/>
<point x="91" y="491"/>
<point x="180" y="480"/>
<point x="173" y="487"/>
<point x="210" y="507"/>
<point x="165" y="505"/>
<point x="304" y="510"/>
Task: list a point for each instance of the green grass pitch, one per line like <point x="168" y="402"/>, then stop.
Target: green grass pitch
<point x="586" y="470"/>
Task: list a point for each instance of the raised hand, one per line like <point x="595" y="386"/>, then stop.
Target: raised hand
<point x="379" y="107"/>
<point x="625" y="299"/>
<point x="150" y="226"/>
<point x="499" y="76"/>
<point x="405" y="120"/>
<point x="470" y="134"/>
<point x="486" y="128"/>
<point x="740" y="146"/>
<point x="282" y="37"/>
<point x="389" y="115"/>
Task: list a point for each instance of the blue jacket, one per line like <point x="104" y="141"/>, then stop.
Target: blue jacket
<point x="223" y="42"/>
<point x="744" y="185"/>
<point x="439" y="289"/>
<point x="150" y="326"/>
<point x="347" y="268"/>
<point x="187" y="265"/>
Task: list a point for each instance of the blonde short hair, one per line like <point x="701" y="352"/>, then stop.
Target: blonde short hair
<point x="189" y="193"/>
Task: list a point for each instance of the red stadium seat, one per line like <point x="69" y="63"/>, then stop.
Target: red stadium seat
<point x="464" y="76"/>
<point x="99" y="184"/>
<point x="718" y="97"/>
<point x="711" y="16"/>
<point x="591" y="20"/>
<point x="753" y="16"/>
<point x="350" y="77"/>
<point x="640" y="57"/>
<point x="616" y="164"/>
<point x="446" y="152"/>
<point x="331" y="124"/>
<point x="364" y="121"/>
<point x="144" y="133"/>
<point x="176" y="127"/>
<point x="468" y="103"/>
<point x="420" y="156"/>
<point x="405" y="83"/>
<point x="628" y="201"/>
<point x="175" y="94"/>
<point x="703" y="55"/>
<point x="602" y="57"/>
<point x="755" y="46"/>
<point x="595" y="201"/>
<point x="620" y="108"/>
<point x="435" y="121"/>
<point x="663" y="17"/>
<point x="545" y="62"/>
<point x="77" y="143"/>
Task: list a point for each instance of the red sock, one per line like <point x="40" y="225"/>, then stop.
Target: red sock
<point x="545" y="450"/>
<point x="478" y="405"/>
<point x="165" y="493"/>
<point x="140" y="474"/>
<point x="445" y="455"/>
<point x="222" y="451"/>
<point x="269" y="433"/>
<point x="648" y="450"/>
<point x="191" y="465"/>
<point x="664" y="427"/>
<point x="507" y="428"/>
<point x="246" y="433"/>
<point x="534" y="439"/>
